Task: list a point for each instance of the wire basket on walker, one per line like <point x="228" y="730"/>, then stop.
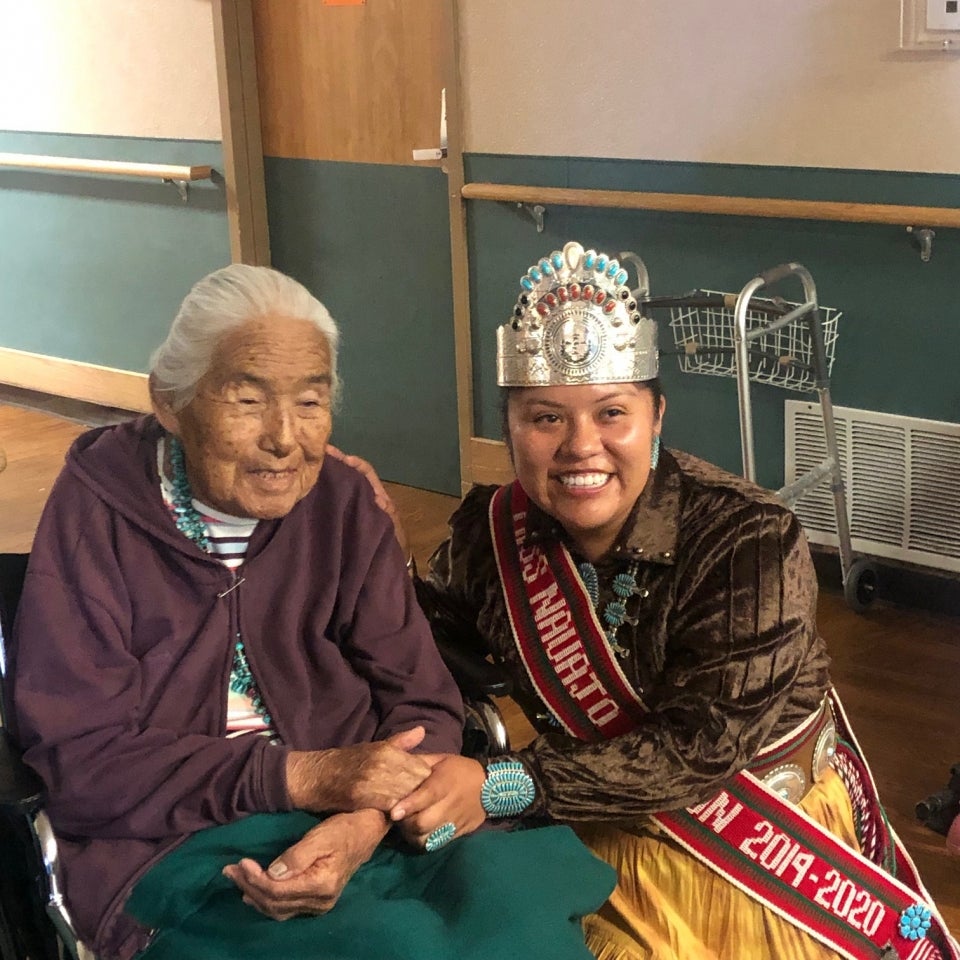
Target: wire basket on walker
<point x="784" y="344"/>
<point x="703" y="332"/>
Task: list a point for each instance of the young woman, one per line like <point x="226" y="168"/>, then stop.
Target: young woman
<point x="657" y="618"/>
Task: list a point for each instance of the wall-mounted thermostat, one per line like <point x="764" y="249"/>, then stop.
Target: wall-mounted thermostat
<point x="930" y="25"/>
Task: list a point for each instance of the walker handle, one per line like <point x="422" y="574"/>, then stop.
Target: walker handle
<point x="776" y="274"/>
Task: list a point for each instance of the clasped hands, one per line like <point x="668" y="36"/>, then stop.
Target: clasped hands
<point x="369" y="787"/>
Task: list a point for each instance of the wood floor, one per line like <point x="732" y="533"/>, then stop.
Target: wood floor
<point x="897" y="669"/>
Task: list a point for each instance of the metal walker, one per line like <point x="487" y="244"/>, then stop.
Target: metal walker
<point x="784" y="344"/>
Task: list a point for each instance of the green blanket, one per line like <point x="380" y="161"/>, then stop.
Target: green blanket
<point x="509" y="896"/>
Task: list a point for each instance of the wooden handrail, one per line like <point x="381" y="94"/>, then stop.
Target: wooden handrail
<point x="729" y="206"/>
<point x="160" y="171"/>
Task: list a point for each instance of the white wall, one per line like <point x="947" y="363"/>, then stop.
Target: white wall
<point x="818" y="83"/>
<point x="134" y="68"/>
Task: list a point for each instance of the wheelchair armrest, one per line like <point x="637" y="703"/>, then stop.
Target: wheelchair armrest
<point x="21" y="790"/>
<point x="475" y="676"/>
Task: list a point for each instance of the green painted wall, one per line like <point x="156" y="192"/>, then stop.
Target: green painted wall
<point x="93" y="268"/>
<point x="899" y="342"/>
<point x="372" y="241"/>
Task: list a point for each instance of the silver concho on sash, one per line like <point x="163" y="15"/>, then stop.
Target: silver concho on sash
<point x="788" y="781"/>
<point x="824" y="750"/>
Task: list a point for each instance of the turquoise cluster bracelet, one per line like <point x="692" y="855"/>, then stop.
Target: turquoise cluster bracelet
<point x="508" y="789"/>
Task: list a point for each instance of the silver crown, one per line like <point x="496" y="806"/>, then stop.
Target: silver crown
<point x="577" y="321"/>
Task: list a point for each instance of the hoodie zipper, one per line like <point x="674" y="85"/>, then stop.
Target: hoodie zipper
<point x="235" y="635"/>
<point x="238" y="638"/>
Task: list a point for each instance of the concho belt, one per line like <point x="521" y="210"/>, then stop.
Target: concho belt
<point x="799" y="760"/>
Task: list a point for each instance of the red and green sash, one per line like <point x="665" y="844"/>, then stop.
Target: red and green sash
<point x="551" y="613"/>
<point x="767" y="847"/>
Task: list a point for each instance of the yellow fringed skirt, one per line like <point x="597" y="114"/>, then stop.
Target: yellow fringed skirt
<point x="669" y="906"/>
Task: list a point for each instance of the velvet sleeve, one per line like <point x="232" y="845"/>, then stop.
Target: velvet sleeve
<point x="739" y="627"/>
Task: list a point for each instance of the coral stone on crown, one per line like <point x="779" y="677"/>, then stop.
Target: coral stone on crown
<point x="576" y="321"/>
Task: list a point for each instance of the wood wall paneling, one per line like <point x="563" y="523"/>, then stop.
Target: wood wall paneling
<point x="351" y="83"/>
<point x="459" y="245"/>
<point x="488" y="462"/>
<point x="240" y="120"/>
<point x="88" y="382"/>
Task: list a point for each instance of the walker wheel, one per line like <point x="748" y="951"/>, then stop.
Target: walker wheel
<point x="860" y="586"/>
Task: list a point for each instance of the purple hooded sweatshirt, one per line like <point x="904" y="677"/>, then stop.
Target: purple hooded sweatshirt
<point x="123" y="648"/>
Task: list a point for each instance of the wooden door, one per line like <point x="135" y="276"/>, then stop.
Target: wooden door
<point x="358" y="82"/>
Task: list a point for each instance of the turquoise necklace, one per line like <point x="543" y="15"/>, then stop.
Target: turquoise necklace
<point x="614" y="614"/>
<point x="242" y="682"/>
<point x="188" y="521"/>
<point x="191" y="525"/>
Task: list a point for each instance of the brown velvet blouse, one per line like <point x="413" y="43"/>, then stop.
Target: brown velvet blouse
<point x="724" y="650"/>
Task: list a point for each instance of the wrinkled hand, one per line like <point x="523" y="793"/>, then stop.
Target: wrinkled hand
<point x="367" y="775"/>
<point x="383" y="499"/>
<point x="308" y="878"/>
<point x="451" y="794"/>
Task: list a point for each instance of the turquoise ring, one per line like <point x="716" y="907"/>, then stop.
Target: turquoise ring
<point x="440" y="837"/>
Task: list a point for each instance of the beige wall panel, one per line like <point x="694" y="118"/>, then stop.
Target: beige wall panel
<point x="358" y="83"/>
<point x="820" y="83"/>
<point x="122" y="68"/>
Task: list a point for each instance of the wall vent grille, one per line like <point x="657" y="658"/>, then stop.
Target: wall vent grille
<point x="902" y="478"/>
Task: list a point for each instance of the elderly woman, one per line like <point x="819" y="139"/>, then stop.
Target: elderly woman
<point x="657" y="618"/>
<point x="218" y="642"/>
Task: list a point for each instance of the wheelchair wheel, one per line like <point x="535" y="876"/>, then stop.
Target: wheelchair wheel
<point x="484" y="733"/>
<point x="7" y="949"/>
<point x="26" y="932"/>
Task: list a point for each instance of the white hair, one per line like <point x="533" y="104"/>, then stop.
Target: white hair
<point x="220" y="303"/>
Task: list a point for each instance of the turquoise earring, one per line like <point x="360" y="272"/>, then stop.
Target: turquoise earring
<point x="655" y="452"/>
